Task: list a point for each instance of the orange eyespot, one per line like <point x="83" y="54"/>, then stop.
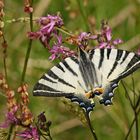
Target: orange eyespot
<point x="96" y="91"/>
<point x="88" y="94"/>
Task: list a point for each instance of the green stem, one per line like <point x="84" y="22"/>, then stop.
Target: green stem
<point x="64" y="31"/>
<point x="28" y="51"/>
<point x="81" y="8"/>
<point x="10" y="132"/>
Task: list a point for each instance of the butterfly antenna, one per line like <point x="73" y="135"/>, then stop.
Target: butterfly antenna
<point x="90" y="126"/>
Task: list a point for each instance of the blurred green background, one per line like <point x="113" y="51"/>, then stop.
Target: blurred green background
<point x="111" y="122"/>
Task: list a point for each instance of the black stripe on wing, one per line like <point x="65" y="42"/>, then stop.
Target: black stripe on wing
<point x="132" y="66"/>
<point x="108" y="53"/>
<point x="60" y="67"/>
<point x="69" y="68"/>
<point x="91" y="53"/>
<point x="118" y="57"/>
<point x="101" y="58"/>
<point x="42" y="87"/>
<point x="53" y="75"/>
<point x="134" y="60"/>
<point x="43" y="90"/>
<point x="75" y="60"/>
<point x="47" y="79"/>
<point x="125" y="56"/>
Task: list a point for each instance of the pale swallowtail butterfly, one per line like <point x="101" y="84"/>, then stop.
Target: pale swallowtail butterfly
<point x="92" y="74"/>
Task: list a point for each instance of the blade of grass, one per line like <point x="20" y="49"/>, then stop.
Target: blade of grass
<point x="83" y="14"/>
<point x="28" y="51"/>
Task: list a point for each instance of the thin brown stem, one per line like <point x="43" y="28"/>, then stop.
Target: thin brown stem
<point x="126" y="92"/>
<point x="134" y="107"/>
<point x="135" y="113"/>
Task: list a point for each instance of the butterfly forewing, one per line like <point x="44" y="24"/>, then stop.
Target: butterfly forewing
<point x="61" y="80"/>
<point x="115" y="64"/>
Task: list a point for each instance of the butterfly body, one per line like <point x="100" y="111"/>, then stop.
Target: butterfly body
<point x="92" y="74"/>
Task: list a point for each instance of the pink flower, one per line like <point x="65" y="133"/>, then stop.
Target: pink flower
<point x="29" y="133"/>
<point x="117" y="41"/>
<point x="107" y="33"/>
<point x="48" y="23"/>
<point x="11" y="115"/>
<point x="84" y="37"/>
<point x="105" y="38"/>
<point x="10" y="119"/>
<point x="47" y="27"/>
<point x="59" y="50"/>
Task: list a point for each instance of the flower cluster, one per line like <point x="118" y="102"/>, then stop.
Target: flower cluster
<point x="58" y="50"/>
<point x="81" y="40"/>
<point x="29" y="133"/>
<point x="47" y="28"/>
<point x="12" y="105"/>
<point x="47" y="32"/>
<point x="35" y="132"/>
<point x="50" y="28"/>
<point x="26" y="115"/>
<point x="105" y="37"/>
<point x="18" y="112"/>
<point x="3" y="84"/>
<point x="27" y="6"/>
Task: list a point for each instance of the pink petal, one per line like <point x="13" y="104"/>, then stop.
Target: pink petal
<point x="102" y="45"/>
<point x="52" y="57"/>
<point x="108" y="34"/>
<point x="117" y="41"/>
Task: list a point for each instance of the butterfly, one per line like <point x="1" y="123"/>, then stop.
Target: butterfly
<point x="95" y="73"/>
